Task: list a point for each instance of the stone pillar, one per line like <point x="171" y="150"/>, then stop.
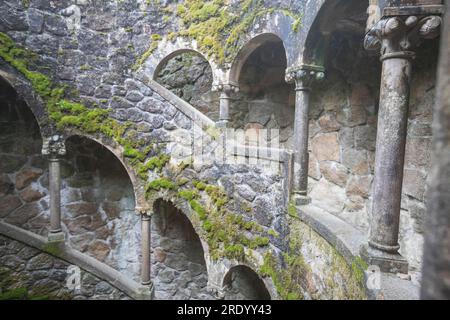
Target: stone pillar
<point x="303" y="78"/>
<point x="225" y="90"/>
<point x="54" y="149"/>
<point x="397" y="37"/>
<point x="145" y="245"/>
<point x="436" y="261"/>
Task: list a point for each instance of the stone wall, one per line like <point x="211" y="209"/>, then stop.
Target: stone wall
<point x="343" y="128"/>
<point x="326" y="275"/>
<point x="265" y="99"/>
<point x="26" y="273"/>
<point x="96" y="193"/>
<point x="189" y="76"/>
<point x="179" y="267"/>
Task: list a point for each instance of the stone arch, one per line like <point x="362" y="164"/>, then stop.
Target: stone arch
<point x="188" y="74"/>
<point x="116" y="150"/>
<point x="243" y="283"/>
<point x="25" y="90"/>
<point x="98" y="205"/>
<point x="265" y="100"/>
<point x="247" y="50"/>
<point x="329" y="17"/>
<point x="167" y="49"/>
<point x="280" y="25"/>
<point x="23" y="191"/>
<point x="179" y="265"/>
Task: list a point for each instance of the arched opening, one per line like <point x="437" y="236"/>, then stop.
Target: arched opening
<point x="23" y="194"/>
<point x="343" y="113"/>
<point x="265" y="100"/>
<point x="242" y="283"/>
<point x="98" y="205"/>
<point x="179" y="268"/>
<point x="189" y="75"/>
<point x="343" y="124"/>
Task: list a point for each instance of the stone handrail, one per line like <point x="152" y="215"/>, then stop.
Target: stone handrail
<point x="192" y="113"/>
<point x="130" y="287"/>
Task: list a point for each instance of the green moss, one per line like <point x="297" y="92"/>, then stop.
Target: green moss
<point x="273" y="233"/>
<point x="15" y="294"/>
<point x="292" y="210"/>
<point x="162" y="183"/>
<point x="359" y="266"/>
<point x="154" y="163"/>
<point x="188" y="194"/>
<point x="53" y="248"/>
<point x="217" y="26"/>
<point x="198" y="208"/>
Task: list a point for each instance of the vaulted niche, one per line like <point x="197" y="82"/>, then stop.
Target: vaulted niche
<point x="179" y="268"/>
<point x="265" y="100"/>
<point x="189" y="75"/>
<point x="242" y="283"/>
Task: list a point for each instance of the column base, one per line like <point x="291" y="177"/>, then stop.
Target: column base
<point x="56" y="236"/>
<point x="387" y="262"/>
<point x="301" y="200"/>
<point x="146" y="292"/>
<point x="222" y="123"/>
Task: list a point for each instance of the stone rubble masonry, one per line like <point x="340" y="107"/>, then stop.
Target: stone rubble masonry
<point x="95" y="55"/>
<point x="26" y="270"/>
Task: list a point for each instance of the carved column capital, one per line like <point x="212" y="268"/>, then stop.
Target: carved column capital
<point x="54" y="146"/>
<point x="144" y="212"/>
<point x="226" y="88"/>
<point x="398" y="36"/>
<point x="304" y="76"/>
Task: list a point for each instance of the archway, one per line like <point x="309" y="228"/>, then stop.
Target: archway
<point x="179" y="268"/>
<point x="23" y="194"/>
<point x="98" y="205"/>
<point x="242" y="283"/>
<point x="343" y="112"/>
<point x="189" y="75"/>
<point x="265" y="100"/>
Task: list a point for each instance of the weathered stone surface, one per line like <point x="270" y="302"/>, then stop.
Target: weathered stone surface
<point x="414" y="183"/>
<point x="8" y="204"/>
<point x="359" y="186"/>
<point x="11" y="163"/>
<point x="246" y="192"/>
<point x="356" y="161"/>
<point x="326" y="147"/>
<point x="365" y="137"/>
<point x="6" y="185"/>
<point x="334" y="172"/>
<point x="159" y="255"/>
<point x="328" y="196"/>
<point x="262" y="211"/>
<point x="30" y="194"/>
<point x="40" y="262"/>
<point x="313" y="168"/>
<point x="328" y="123"/>
<point x="99" y="250"/>
<point x="23" y="214"/>
<point x="26" y="176"/>
<point x="81" y="208"/>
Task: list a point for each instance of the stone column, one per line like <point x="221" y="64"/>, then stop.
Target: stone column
<point x="145" y="245"/>
<point x="396" y="36"/>
<point x="226" y="90"/>
<point x="303" y="78"/>
<point x="436" y="261"/>
<point x="54" y="149"/>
